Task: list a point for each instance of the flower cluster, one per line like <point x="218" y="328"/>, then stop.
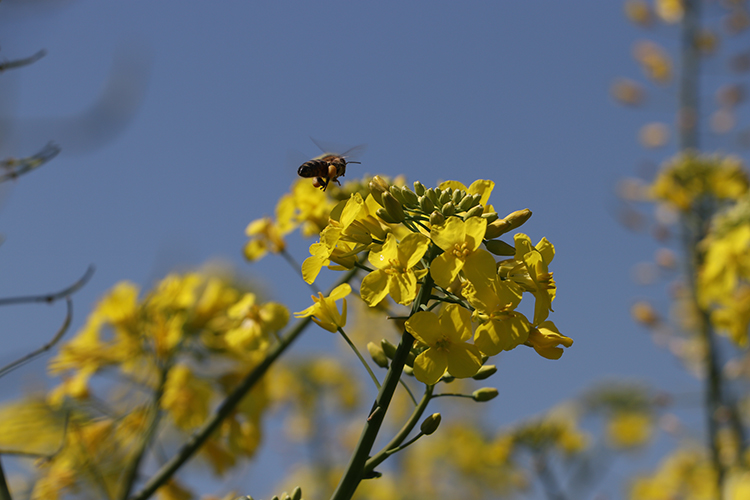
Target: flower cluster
<point x="433" y="250"/>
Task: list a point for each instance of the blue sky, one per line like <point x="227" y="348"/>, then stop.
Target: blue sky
<point x="516" y="92"/>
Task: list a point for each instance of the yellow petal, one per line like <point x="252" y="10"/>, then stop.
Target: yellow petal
<point x="452" y="185"/>
<point x="311" y="268"/>
<point x="475" y="227"/>
<point x="388" y="252"/>
<point x="479" y="268"/>
<point x="341" y="291"/>
<point x="403" y="287"/>
<point x="447" y="235"/>
<point x="464" y="360"/>
<point x="547" y="250"/>
<point x="455" y="323"/>
<point x="412" y="248"/>
<point x="444" y="268"/>
<point x="430" y="366"/>
<point x="425" y="327"/>
<point x="374" y="287"/>
<point x="523" y="245"/>
<point x="483" y="187"/>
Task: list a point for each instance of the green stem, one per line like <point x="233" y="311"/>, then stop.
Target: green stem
<point x="355" y="470"/>
<point x="395" y="443"/>
<point x="4" y="491"/>
<point x="359" y="355"/>
<point x="227" y="406"/>
<point x="411" y="394"/>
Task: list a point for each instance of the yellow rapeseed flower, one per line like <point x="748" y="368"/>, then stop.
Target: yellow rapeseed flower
<point x="546" y="340"/>
<point x="446" y="337"/>
<point x="460" y="241"/>
<point x="395" y="272"/>
<point x="324" y="311"/>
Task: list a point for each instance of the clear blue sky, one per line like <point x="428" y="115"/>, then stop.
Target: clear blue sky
<point x="516" y="92"/>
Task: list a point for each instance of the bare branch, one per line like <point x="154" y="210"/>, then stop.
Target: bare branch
<point x="22" y="62"/>
<point x="51" y="297"/>
<point x="15" y="167"/>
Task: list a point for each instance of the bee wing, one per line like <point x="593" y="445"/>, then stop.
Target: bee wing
<point x="350" y="154"/>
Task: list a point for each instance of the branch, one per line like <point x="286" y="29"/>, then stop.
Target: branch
<point x="51" y="297"/>
<point x="46" y="347"/>
<point x="16" y="168"/>
<point x="22" y="62"/>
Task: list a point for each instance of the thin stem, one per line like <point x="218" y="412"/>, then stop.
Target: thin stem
<point x="395" y="443"/>
<point x="46" y="347"/>
<point x="227" y="406"/>
<point x="549" y="482"/>
<point x="17" y="63"/>
<point x="355" y="470"/>
<point x="131" y="472"/>
<point x="411" y="394"/>
<point x="359" y="355"/>
<point x="453" y="395"/>
<point x="51" y="297"/>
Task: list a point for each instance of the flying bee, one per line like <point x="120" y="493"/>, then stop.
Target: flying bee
<point x="328" y="167"/>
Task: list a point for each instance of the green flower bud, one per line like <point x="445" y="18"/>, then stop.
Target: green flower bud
<point x="409" y="361"/>
<point x="485" y="372"/>
<point x="297" y="493"/>
<point x="388" y="349"/>
<point x="499" y="247"/>
<point x="419" y="188"/>
<point x="425" y="203"/>
<point x="518" y="218"/>
<point x="465" y="203"/>
<point x="430" y="424"/>
<point x="410" y="198"/>
<point x="437" y="219"/>
<point x="393" y="207"/>
<point x="448" y="209"/>
<point x="433" y="196"/>
<point x="448" y="378"/>
<point x="397" y="193"/>
<point x="445" y="197"/>
<point x="484" y="394"/>
<point x="497" y="228"/>
<point x="285" y="496"/>
<point x="475" y="212"/>
<point x="383" y="214"/>
<point x="274" y="497"/>
<point x="490" y="216"/>
<point x="408" y="370"/>
<point x="458" y="195"/>
<point x="378" y="186"/>
<point x="377" y="354"/>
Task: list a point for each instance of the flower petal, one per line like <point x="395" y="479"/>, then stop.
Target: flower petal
<point x="425" y="327"/>
<point x="455" y="323"/>
<point x="475" y="228"/>
<point x="387" y="253"/>
<point x="374" y="287"/>
<point x="464" y="360"/>
<point x="430" y="366"/>
<point x="479" y="268"/>
<point x="403" y="287"/>
<point x="412" y="248"/>
<point x="450" y="234"/>
<point x="341" y="291"/>
<point x="445" y="268"/>
<point x="483" y="187"/>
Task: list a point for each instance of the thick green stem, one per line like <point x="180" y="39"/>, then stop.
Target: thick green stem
<point x="4" y="491"/>
<point x="355" y="470"/>
<point x="399" y="438"/>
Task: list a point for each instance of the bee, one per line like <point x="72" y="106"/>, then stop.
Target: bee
<point x="328" y="167"/>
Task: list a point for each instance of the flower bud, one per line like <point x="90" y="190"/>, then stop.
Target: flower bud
<point x="485" y="372"/>
<point x="490" y="216"/>
<point x="408" y="370"/>
<point x="448" y="209"/>
<point x="445" y="196"/>
<point x="297" y="493"/>
<point x="397" y="193"/>
<point x="383" y="214"/>
<point x="377" y="354"/>
<point x="497" y="228"/>
<point x="458" y="195"/>
<point x="499" y="247"/>
<point x="275" y="497"/>
<point x="388" y="349"/>
<point x="484" y="394"/>
<point x="474" y="212"/>
<point x="285" y="496"/>
<point x="393" y="207"/>
<point x="437" y="219"/>
<point x="432" y="195"/>
<point x="425" y="203"/>
<point x="378" y="186"/>
<point x="410" y="198"/>
<point x="465" y="203"/>
<point x="518" y="218"/>
<point x="430" y="424"/>
<point x="447" y="378"/>
<point x="419" y="188"/>
<point x="409" y="361"/>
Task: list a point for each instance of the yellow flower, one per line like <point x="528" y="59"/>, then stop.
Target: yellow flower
<point x="306" y="206"/>
<point x="395" y="273"/>
<point x="460" y="241"/>
<point x="733" y="317"/>
<point x="265" y="236"/>
<point x="480" y="186"/>
<point x="324" y="310"/>
<point x="186" y="397"/>
<point x="546" y="339"/>
<point x="629" y="429"/>
<point x="255" y="322"/>
<point x="725" y="263"/>
<point x="536" y="259"/>
<point x="501" y="328"/>
<point x="445" y="337"/>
